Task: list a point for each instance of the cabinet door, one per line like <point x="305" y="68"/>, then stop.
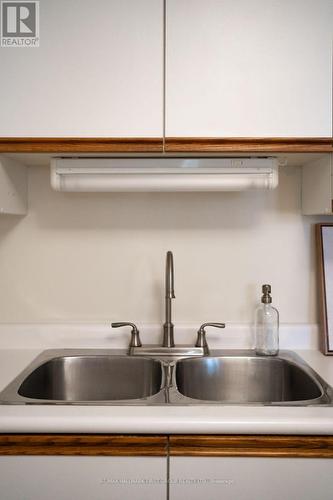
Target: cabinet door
<point x="249" y="68"/>
<point x="250" y="478"/>
<point x="83" y="478"/>
<point x="96" y="73"/>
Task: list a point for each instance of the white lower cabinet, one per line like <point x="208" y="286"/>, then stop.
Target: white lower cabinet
<point x="248" y="478"/>
<point x="145" y="478"/>
<point x="83" y="478"/>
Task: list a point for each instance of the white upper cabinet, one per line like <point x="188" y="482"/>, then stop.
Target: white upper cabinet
<point x="98" y="72"/>
<point x="249" y="68"/>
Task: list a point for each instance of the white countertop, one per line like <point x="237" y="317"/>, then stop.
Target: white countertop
<point x="162" y="420"/>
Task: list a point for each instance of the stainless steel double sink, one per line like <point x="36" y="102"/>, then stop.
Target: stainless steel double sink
<point x="110" y="377"/>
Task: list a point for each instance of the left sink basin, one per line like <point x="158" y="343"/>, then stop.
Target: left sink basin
<point x="87" y="378"/>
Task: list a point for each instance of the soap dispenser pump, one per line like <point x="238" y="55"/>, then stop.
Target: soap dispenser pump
<point x="267" y="325"/>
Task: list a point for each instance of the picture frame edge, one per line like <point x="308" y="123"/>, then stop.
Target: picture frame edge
<point x="321" y="288"/>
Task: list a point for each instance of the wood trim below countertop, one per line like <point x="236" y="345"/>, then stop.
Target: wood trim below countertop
<point x="251" y="446"/>
<point x="80" y="145"/>
<point x="248" y="145"/>
<point x="83" y="444"/>
<point x="161" y="445"/>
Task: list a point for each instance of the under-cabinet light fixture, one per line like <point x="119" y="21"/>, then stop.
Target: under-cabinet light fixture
<point x="163" y="174"/>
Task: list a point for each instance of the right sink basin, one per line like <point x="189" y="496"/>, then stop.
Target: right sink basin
<point x="247" y="379"/>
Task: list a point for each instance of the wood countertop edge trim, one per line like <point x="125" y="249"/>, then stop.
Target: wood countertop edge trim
<point x="243" y="452"/>
<point x="160" y="445"/>
<point x="83" y="444"/>
<point x="292" y="446"/>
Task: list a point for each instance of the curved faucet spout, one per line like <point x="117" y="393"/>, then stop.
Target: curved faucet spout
<point x="168" y="340"/>
<point x="169" y="277"/>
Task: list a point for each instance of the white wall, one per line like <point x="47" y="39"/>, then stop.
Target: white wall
<point x="101" y="257"/>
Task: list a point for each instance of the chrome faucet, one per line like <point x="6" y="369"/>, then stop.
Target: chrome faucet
<point x="168" y="347"/>
<point x="168" y="340"/>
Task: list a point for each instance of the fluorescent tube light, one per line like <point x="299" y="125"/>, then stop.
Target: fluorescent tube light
<point x="163" y="174"/>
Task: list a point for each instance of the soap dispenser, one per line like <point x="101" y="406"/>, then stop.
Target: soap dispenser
<point x="267" y="325"/>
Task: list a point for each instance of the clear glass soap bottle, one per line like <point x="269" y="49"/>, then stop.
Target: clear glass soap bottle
<point x="267" y="325"/>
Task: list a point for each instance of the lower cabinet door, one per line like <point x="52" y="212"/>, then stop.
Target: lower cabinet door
<point x="82" y="478"/>
<point x="232" y="478"/>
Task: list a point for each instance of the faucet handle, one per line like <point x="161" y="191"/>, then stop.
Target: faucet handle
<point x="135" y="334"/>
<point x="201" y="339"/>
